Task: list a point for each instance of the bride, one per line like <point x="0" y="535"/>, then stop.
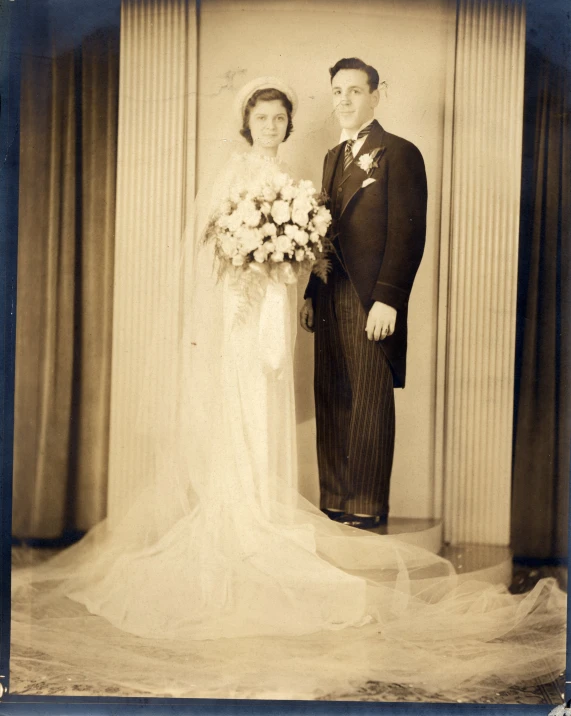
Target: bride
<point x="221" y="580"/>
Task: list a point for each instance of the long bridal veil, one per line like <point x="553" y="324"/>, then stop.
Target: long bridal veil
<point x="222" y="581"/>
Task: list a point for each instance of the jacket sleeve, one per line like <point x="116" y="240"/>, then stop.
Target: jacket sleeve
<point x="312" y="286"/>
<point x="313" y="283"/>
<point x="406" y="227"/>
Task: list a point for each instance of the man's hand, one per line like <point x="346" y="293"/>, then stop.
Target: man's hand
<point x="306" y="315"/>
<point x="381" y="321"/>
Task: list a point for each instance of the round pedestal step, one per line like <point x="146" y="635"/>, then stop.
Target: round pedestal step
<point x="484" y="562"/>
<point x="425" y="533"/>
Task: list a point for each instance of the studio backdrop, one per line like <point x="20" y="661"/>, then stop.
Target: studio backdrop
<point x="452" y="83"/>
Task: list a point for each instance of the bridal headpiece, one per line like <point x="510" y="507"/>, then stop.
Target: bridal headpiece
<point x="263" y="83"/>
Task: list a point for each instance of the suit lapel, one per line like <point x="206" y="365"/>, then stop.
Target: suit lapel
<point x="356" y="175"/>
<point x="329" y="171"/>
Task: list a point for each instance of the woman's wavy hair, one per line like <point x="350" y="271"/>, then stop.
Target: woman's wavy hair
<point x="265" y="95"/>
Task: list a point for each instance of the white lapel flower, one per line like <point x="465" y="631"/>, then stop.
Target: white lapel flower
<point x="370" y="161"/>
<point x="365" y="161"/>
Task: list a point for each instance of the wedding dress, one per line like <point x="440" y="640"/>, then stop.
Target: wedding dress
<point x="243" y="588"/>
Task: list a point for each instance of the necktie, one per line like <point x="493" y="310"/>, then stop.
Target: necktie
<point x="348" y="158"/>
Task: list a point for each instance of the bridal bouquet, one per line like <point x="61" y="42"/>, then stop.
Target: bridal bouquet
<point x="274" y="228"/>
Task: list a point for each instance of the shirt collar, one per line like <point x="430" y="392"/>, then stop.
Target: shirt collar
<point x="346" y="134"/>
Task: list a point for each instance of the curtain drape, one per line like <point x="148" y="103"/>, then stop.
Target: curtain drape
<point x="542" y="431"/>
<point x="69" y="105"/>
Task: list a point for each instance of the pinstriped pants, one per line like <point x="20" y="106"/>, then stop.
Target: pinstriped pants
<point x="354" y="403"/>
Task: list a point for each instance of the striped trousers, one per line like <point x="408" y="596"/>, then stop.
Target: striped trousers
<point x="354" y="403"/>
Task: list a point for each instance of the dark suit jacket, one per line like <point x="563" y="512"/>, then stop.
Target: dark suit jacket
<point x="381" y="230"/>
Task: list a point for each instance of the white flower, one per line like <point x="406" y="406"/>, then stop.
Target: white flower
<point x="277" y="257"/>
<point x="260" y="255"/>
<point x="279" y="180"/>
<point x="245" y="205"/>
<point x="300" y="210"/>
<point x="307" y="186"/>
<point x="300" y="217"/>
<point x="253" y="218"/>
<point x="288" y="192"/>
<point x="247" y="210"/>
<point x="238" y="260"/>
<point x="269" y="229"/>
<point x="290" y="230"/>
<point x="321" y="226"/>
<point x="283" y="244"/>
<point x="280" y="212"/>
<point x="266" y="208"/>
<point x="249" y="239"/>
<point x="302" y="237"/>
<point x="322" y="220"/>
<point x="314" y="236"/>
<point x="365" y="161"/>
<point x="228" y="244"/>
<point x="302" y="202"/>
<point x="267" y="247"/>
<point x="255" y="190"/>
<point x="234" y="222"/>
<point x="269" y="194"/>
<point x="300" y="255"/>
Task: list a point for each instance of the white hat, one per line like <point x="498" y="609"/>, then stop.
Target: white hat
<point x="263" y="83"/>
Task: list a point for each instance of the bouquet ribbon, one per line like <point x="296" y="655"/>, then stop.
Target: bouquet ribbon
<point x="274" y="326"/>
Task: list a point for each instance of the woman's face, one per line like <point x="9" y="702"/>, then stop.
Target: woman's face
<point x="268" y="123"/>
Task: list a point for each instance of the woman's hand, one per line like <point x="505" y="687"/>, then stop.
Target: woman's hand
<point x="381" y="321"/>
<point x="306" y="315"/>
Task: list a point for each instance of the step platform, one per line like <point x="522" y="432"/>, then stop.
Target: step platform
<point x="488" y="563"/>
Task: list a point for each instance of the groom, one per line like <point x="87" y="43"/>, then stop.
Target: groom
<point x="376" y="184"/>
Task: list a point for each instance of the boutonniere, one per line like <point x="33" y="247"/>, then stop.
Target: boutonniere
<point x="370" y="161"/>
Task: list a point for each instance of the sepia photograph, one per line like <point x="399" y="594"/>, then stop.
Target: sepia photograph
<point x="287" y="348"/>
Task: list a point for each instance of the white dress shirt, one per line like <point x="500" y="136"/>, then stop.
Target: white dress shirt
<point x="346" y="134"/>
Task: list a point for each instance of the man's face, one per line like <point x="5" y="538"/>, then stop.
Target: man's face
<point x="268" y="123"/>
<point x="353" y="102"/>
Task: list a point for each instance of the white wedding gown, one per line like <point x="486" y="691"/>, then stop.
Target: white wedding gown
<point x="244" y="589"/>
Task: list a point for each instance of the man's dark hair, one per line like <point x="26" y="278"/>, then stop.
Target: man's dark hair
<point x="265" y="95"/>
<point x="354" y="63"/>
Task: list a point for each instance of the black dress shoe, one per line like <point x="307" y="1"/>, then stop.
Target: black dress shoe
<point x="364" y="522"/>
<point x="335" y="515"/>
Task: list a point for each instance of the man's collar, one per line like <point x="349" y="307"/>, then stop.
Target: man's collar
<point x="346" y="134"/>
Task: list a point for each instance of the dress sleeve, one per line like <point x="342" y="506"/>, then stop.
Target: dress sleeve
<point x="209" y="198"/>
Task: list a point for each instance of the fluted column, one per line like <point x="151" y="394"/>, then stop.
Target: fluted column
<point x="155" y="176"/>
<point x="482" y="270"/>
